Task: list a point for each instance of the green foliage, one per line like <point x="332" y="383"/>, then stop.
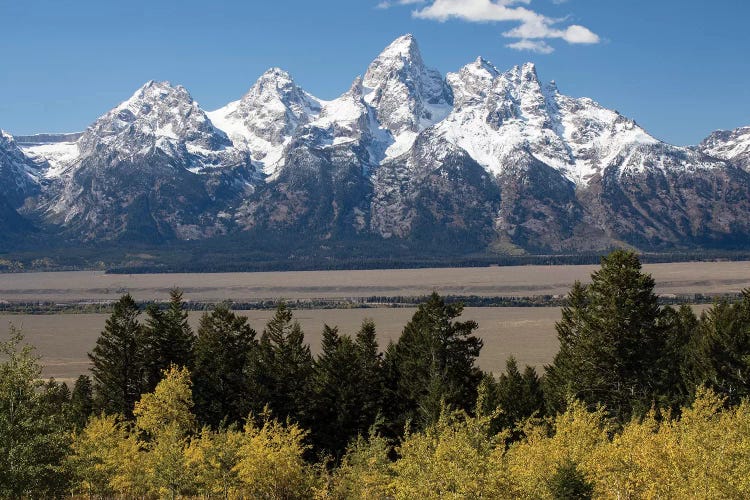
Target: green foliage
<point x="346" y="388"/>
<point x="512" y="399"/>
<point x="720" y="356"/>
<point x="433" y="363"/>
<point x="612" y="341"/>
<point x="224" y="353"/>
<point x="284" y="368"/>
<point x="33" y="436"/>
<point x="81" y="402"/>
<point x="168" y="339"/>
<point x="568" y="483"/>
<point x="117" y="360"/>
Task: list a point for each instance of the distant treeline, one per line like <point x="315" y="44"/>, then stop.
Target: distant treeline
<point x="643" y="400"/>
<point x="56" y="307"/>
<point x="291" y="252"/>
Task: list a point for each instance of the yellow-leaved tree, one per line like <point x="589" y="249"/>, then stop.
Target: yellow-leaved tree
<point x="271" y="463"/>
<point x="365" y="471"/>
<point x="453" y="458"/>
<point x="212" y="457"/>
<point x="164" y="421"/>
<point x="94" y="457"/>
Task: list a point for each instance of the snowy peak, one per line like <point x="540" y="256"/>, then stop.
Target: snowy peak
<point x="157" y="116"/>
<point x="266" y="118"/>
<point x="18" y="173"/>
<point x="730" y="145"/>
<point x="407" y="96"/>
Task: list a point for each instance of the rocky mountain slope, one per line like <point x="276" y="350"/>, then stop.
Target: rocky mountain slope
<point x="481" y="160"/>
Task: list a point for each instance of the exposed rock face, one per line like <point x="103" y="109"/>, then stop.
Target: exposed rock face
<point x="153" y="168"/>
<point x="730" y="145"/>
<point x="480" y="160"/>
<point x="264" y="121"/>
<point x="18" y="173"/>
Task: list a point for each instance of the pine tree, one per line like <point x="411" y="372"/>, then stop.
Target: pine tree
<point x="611" y="341"/>
<point x="568" y="483"/>
<point x="81" y="402"/>
<point x="719" y="355"/>
<point x="370" y="380"/>
<point x="169" y="339"/>
<point x="514" y="397"/>
<point x="224" y="352"/>
<point x="284" y="368"/>
<point x="345" y="389"/>
<point x="433" y="363"/>
<point x="118" y="360"/>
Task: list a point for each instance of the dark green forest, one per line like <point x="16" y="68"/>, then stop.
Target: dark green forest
<point x="350" y="419"/>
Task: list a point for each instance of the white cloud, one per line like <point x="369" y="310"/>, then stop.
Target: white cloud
<point x="533" y="28"/>
<point x="386" y="4"/>
<point x="538" y="46"/>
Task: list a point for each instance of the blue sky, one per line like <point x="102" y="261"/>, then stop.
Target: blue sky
<point x="680" y="68"/>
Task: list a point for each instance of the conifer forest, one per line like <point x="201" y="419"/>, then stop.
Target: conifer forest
<point x="643" y="400"/>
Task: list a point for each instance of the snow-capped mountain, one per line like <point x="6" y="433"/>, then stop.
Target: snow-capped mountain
<point x="266" y="118"/>
<point x="18" y="174"/>
<point x="730" y="145"/>
<point x="406" y="95"/>
<point x="481" y="160"/>
<point x="56" y="152"/>
<point x="154" y="166"/>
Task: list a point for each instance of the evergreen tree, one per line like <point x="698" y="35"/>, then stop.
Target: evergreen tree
<point x="81" y="402"/>
<point x="224" y="351"/>
<point x="611" y="341"/>
<point x="345" y="388"/>
<point x="719" y="355"/>
<point x="514" y="397"/>
<point x="568" y="483"/>
<point x="118" y="360"/>
<point x="432" y="363"/>
<point x="169" y="339"/>
<point x="370" y="376"/>
<point x="284" y="368"/>
<point x="676" y="364"/>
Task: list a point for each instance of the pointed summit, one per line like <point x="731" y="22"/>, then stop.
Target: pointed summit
<point x="267" y="116"/>
<point x="407" y="96"/>
<point x="404" y="46"/>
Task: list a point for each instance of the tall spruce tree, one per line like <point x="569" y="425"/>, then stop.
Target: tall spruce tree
<point x="169" y="339"/>
<point x="81" y="402"/>
<point x="719" y="355"/>
<point x="224" y="352"/>
<point x="517" y="395"/>
<point x="433" y="363"/>
<point x="611" y="341"/>
<point x="346" y="388"/>
<point x="284" y="368"/>
<point x="118" y="360"/>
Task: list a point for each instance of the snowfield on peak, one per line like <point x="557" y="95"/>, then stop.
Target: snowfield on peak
<point x="264" y="121"/>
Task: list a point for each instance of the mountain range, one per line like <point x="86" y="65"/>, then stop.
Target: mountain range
<point x="479" y="160"/>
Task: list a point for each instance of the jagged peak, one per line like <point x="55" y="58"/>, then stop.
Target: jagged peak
<point x="153" y="90"/>
<point x="482" y="67"/>
<point x="403" y="46"/>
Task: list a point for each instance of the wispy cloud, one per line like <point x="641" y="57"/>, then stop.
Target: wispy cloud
<point x="385" y="4"/>
<point x="531" y="32"/>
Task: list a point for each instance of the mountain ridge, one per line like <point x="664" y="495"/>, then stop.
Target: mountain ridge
<point x="476" y="160"/>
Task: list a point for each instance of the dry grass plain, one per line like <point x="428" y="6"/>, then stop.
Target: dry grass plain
<point x="527" y="333"/>
<point x="687" y="277"/>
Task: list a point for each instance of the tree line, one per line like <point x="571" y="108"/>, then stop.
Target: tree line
<point x="227" y="412"/>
